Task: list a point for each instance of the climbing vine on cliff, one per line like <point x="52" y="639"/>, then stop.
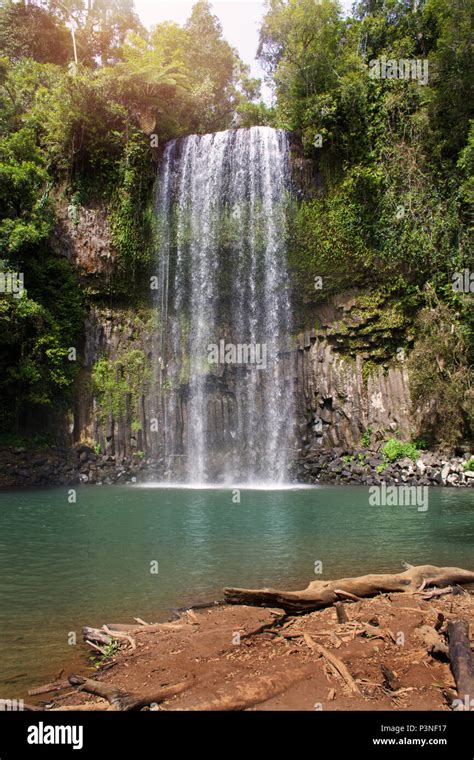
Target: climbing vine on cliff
<point x="441" y="374"/>
<point x="119" y="384"/>
<point x="131" y="217"/>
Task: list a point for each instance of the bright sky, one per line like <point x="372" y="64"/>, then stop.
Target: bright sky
<point x="240" y="21"/>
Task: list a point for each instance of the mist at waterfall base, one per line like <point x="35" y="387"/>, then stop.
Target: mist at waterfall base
<point x="221" y="211"/>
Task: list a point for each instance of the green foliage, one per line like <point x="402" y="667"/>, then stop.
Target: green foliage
<point x="466" y="166"/>
<point x="27" y="31"/>
<point x="441" y="375"/>
<point x="394" y="449"/>
<point x="131" y="217"/>
<point x="450" y="25"/>
<point x="469" y="465"/>
<point x="390" y="205"/>
<point x="36" y="333"/>
<point x="421" y="444"/>
<point x="30" y="442"/>
<point x="366" y="438"/>
<point x="379" y="223"/>
<point x="330" y="240"/>
<point x="34" y="357"/>
<point x="172" y="81"/>
<point x="38" y="329"/>
<point x="108" y="651"/>
<point x="24" y="217"/>
<point x="119" y="384"/>
<point x="255" y="114"/>
<point x="215" y="71"/>
<point x="101" y="27"/>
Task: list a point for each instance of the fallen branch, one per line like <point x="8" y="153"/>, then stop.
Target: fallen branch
<point x="148" y="628"/>
<point x="335" y="661"/>
<point x="347" y="595"/>
<point x="102" y="651"/>
<point x="96" y="636"/>
<point x="320" y="594"/>
<point x="443" y="591"/>
<point x="48" y="687"/>
<point x="121" y="636"/>
<point x="90" y="707"/>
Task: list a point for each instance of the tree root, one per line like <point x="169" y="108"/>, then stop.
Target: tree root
<point x="242" y="696"/>
<point x="118" y="699"/>
<point x="335" y="662"/>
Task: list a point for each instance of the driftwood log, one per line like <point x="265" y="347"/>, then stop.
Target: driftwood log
<point x="117" y="698"/>
<point x="320" y="594"/>
<point x="461" y="660"/>
<point x="48" y="687"/>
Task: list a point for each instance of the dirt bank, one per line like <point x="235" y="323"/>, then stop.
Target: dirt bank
<point x="385" y="657"/>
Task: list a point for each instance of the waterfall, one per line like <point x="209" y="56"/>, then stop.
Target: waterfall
<point x="224" y="308"/>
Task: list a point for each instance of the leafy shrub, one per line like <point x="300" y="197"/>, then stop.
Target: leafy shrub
<point x="365" y="440"/>
<point x="421" y="444"/>
<point x="441" y="375"/>
<point x="118" y="385"/>
<point x="394" y="449"/>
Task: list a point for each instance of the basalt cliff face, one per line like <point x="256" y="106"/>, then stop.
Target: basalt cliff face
<point x="336" y="400"/>
<point x="341" y="370"/>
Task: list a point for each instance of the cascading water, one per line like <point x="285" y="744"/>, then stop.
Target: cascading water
<point x="225" y="365"/>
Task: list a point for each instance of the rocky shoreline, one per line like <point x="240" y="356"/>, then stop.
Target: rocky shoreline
<point x="61" y="466"/>
<point x="367" y="467"/>
<point x="57" y="466"/>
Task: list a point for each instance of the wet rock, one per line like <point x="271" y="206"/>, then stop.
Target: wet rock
<point x="365" y="467"/>
<point x="445" y="472"/>
<point x="421" y="466"/>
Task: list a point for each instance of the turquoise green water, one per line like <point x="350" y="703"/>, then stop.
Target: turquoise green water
<point x="65" y="565"/>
